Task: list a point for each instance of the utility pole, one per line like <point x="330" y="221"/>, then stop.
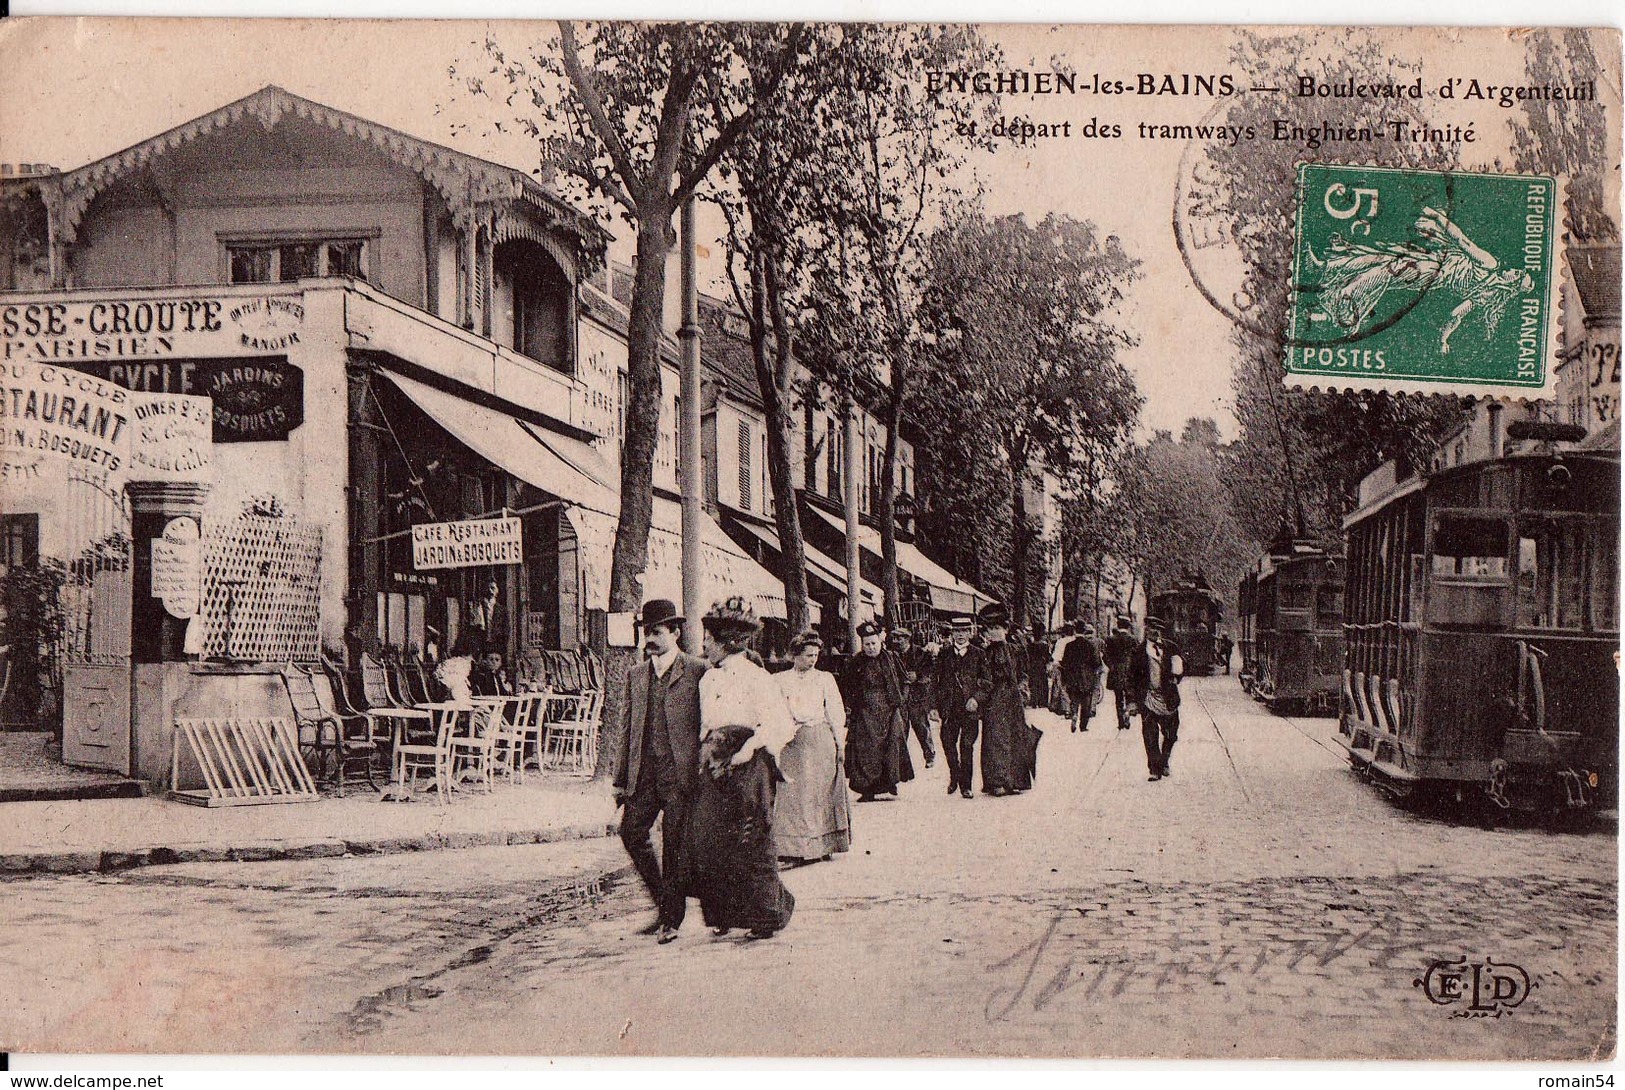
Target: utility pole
<point x="688" y="427"/>
<point x="850" y="461"/>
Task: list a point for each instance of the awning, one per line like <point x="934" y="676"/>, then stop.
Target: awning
<point x="728" y="569"/>
<point x="557" y="464"/>
<point x="820" y="566"/>
<point x="948" y="592"/>
<point x="577" y="474"/>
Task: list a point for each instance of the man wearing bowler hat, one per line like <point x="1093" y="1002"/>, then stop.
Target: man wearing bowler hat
<point x="658" y="760"/>
<point x="1153" y="681"/>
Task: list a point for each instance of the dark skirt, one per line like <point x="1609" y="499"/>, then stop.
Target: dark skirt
<point x="731" y="861"/>
<point x="876" y="759"/>
<point x="1009" y="745"/>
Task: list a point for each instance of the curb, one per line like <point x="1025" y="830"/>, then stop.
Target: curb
<point x="33" y="864"/>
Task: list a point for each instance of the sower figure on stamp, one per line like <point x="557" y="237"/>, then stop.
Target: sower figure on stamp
<point x="916" y="666"/>
<point x="1154" y="672"/>
<point x="658" y="762"/>
<point x="1120" y="646"/>
<point x="953" y="687"/>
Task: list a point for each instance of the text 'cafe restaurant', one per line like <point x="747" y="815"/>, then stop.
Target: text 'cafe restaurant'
<point x="409" y="408"/>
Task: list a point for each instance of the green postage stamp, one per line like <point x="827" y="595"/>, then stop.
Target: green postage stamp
<point x="1423" y="280"/>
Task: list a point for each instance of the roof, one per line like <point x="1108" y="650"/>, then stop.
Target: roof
<point x="462" y="179"/>
<point x="1595" y="270"/>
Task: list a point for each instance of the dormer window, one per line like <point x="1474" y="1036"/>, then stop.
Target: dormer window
<point x="263" y="262"/>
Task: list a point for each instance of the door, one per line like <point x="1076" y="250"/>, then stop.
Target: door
<point x="96" y="601"/>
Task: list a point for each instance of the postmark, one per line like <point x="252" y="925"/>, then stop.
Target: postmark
<point x="1421" y="280"/>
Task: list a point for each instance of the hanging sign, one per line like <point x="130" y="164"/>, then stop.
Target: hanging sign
<point x="173" y="438"/>
<point x="468" y="544"/>
<point x="177" y="567"/>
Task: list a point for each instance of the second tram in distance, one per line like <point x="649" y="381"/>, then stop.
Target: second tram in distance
<point x="1191" y="612"/>
<point x="1292" y="628"/>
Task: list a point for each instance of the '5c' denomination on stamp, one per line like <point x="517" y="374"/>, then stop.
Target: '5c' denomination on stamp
<point x="1423" y="280"/>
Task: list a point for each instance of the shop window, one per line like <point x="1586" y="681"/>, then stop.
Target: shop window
<point x="19" y="541"/>
<point x="1551" y="556"/>
<point x="280" y="262"/>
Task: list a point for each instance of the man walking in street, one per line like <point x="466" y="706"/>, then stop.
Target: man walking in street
<point x="1155" y="669"/>
<point x="1120" y="645"/>
<point x="1081" y="669"/>
<point x="658" y="760"/>
<point x="916" y="666"/>
<point x="953" y="685"/>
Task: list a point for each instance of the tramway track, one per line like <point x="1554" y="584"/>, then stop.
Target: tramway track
<point x="1223" y="744"/>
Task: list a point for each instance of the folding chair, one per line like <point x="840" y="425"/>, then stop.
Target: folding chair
<point x="433" y="757"/>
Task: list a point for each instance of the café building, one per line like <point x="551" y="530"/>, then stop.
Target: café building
<point x="416" y="410"/>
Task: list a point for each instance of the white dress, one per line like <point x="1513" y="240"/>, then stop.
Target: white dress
<point x="812" y="816"/>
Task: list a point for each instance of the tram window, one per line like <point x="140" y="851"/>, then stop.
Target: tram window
<point x="1551" y="553"/>
<point x="1295" y="595"/>
<point x="1468" y="547"/>
<point x="1605" y="577"/>
<point x="1329" y="607"/>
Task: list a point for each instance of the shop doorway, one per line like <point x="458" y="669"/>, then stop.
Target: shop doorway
<point x="96" y="598"/>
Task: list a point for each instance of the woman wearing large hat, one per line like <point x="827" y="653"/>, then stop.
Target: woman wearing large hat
<point x="1009" y="745"/>
<point x="744" y="726"/>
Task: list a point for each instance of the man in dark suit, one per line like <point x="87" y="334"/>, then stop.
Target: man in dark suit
<point x="658" y="762"/>
<point x="1119" y="648"/>
<point x="953" y="684"/>
<point x="916" y="665"/>
<point x="1154" y="670"/>
<point x="1081" y="667"/>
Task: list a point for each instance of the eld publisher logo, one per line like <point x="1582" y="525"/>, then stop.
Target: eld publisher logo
<point x="1485" y="989"/>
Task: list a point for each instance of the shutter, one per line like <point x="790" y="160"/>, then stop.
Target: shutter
<point x="746" y="477"/>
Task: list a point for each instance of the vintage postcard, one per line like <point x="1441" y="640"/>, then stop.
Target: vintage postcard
<point x="809" y="540"/>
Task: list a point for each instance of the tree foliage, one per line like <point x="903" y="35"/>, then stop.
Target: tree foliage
<point x="1301" y="453"/>
<point x="1024" y="333"/>
<point x="637" y="115"/>
<point x="1570" y="139"/>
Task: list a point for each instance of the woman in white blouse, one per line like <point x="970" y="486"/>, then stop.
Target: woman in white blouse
<point x="812" y="817"/>
<point x="732" y="866"/>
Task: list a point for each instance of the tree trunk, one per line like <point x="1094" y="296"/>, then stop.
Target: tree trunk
<point x="1020" y="541"/>
<point x="642" y="410"/>
<point x="774" y="372"/>
<point x="637" y="460"/>
<point x="887" y="510"/>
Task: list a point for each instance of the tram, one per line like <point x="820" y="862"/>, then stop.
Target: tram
<point x="1191" y="612"/>
<point x="1482" y="625"/>
<point x="1292" y="628"/>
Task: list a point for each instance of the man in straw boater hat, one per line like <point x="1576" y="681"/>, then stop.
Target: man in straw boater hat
<point x="657" y="762"/>
<point x="1154" y="671"/>
<point x="953" y="690"/>
<point x="1009" y="744"/>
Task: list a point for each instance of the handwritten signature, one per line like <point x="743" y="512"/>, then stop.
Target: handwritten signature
<point x="1057" y="964"/>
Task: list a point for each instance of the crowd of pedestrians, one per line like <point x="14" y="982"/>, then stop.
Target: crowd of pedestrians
<point x="751" y="772"/>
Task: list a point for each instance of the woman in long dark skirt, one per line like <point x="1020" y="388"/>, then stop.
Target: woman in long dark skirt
<point x="732" y="861"/>
<point x="872" y="685"/>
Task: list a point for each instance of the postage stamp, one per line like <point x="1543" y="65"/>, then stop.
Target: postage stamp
<point x="1420" y="279"/>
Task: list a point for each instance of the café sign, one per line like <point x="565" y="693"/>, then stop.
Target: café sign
<point x="467" y="544"/>
<point x="64" y="331"/>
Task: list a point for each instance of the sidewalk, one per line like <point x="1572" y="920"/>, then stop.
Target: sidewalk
<point x="113" y="834"/>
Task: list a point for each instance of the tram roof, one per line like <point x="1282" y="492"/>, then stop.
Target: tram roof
<point x="1422" y="481"/>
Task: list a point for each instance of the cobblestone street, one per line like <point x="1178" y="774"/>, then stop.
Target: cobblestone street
<point x="1261" y="902"/>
